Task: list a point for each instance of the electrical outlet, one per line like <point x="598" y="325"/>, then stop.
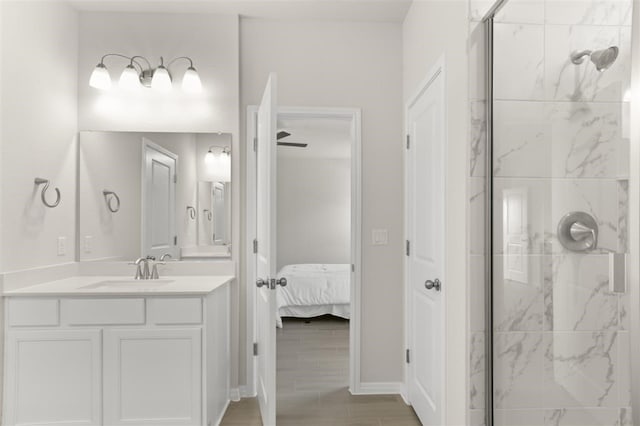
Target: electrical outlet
<point x="88" y="243"/>
<point x="62" y="246"/>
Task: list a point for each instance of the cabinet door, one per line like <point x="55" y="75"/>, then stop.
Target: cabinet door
<point x="152" y="376"/>
<point x="53" y="377"/>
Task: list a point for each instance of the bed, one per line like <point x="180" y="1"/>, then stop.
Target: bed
<point x="314" y="289"/>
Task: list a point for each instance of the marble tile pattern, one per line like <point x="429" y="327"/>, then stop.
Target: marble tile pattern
<point x="561" y="138"/>
<point x="477" y="371"/>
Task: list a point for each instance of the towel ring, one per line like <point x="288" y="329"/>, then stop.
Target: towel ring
<point x="207" y="214"/>
<point x="191" y="211"/>
<point x="40" y="181"/>
<point x="108" y="199"/>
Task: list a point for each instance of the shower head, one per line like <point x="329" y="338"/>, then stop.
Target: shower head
<point x="602" y="59"/>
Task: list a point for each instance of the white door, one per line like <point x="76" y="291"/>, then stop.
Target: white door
<point x="153" y="376"/>
<point x="425" y="283"/>
<point x="266" y="256"/>
<point x="159" y="207"/>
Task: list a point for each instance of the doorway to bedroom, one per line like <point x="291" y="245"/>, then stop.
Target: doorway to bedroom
<point x="314" y="256"/>
<point x="318" y="253"/>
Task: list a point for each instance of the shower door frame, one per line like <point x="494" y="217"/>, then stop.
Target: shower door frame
<point x="487" y="21"/>
<point x="633" y="259"/>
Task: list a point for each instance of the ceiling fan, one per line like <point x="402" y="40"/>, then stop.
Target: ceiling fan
<point x="283" y="134"/>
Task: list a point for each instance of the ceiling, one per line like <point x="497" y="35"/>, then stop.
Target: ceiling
<point x="341" y="10"/>
<point x="326" y="137"/>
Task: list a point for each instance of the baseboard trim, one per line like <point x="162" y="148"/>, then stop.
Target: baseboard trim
<point x="219" y="420"/>
<point x="378" y="388"/>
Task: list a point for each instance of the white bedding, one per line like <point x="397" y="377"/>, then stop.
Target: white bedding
<point x="314" y="289"/>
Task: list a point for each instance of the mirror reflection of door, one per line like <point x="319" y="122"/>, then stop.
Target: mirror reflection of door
<point x="159" y="181"/>
<point x="219" y="214"/>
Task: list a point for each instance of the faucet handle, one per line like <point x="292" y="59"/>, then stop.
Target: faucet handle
<point x="154" y="271"/>
<point x="138" y="263"/>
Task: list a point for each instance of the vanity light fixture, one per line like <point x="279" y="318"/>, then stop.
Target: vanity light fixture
<point x="219" y="164"/>
<point x="139" y="73"/>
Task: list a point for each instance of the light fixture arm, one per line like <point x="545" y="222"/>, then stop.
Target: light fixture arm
<point x="180" y="57"/>
<point x="131" y="59"/>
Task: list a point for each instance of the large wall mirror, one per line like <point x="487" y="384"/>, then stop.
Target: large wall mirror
<point x="150" y="194"/>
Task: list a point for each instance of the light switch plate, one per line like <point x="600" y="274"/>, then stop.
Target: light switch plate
<point x="379" y="237"/>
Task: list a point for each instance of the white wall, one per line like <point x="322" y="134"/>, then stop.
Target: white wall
<point x="110" y="160"/>
<point x="39" y="125"/>
<point x="314" y="210"/>
<point x="348" y="64"/>
<point x="432" y="29"/>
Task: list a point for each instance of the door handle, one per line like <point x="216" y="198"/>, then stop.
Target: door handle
<point x="271" y="283"/>
<point x="435" y="284"/>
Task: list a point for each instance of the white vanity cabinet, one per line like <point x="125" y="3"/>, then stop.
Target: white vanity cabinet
<point x="117" y="360"/>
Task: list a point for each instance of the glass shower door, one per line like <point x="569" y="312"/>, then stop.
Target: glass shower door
<point x="560" y="151"/>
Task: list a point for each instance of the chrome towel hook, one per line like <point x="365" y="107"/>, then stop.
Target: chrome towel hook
<point x="40" y="181"/>
<point x="108" y="196"/>
<point x="191" y="211"/>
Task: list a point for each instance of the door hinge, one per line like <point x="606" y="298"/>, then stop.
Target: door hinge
<point x="408" y="248"/>
<point x="255" y="144"/>
<point x="255" y="349"/>
<point x="175" y="240"/>
<point x="175" y="178"/>
<point x="408" y="141"/>
<point x="408" y="356"/>
<point x="353" y="267"/>
<point x="255" y="245"/>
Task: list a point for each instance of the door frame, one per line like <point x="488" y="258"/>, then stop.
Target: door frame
<point x="438" y="69"/>
<point x="355" y="116"/>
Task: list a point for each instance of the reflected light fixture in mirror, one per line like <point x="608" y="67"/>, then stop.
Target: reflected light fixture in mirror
<point x="139" y="72"/>
<point x="218" y="163"/>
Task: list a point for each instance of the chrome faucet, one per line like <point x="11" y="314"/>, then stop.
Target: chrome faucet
<point x="142" y="269"/>
<point x="147" y="268"/>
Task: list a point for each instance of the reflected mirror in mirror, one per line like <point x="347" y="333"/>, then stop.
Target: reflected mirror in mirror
<point x="150" y="194"/>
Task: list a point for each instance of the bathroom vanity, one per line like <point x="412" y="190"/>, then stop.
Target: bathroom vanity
<point x="91" y="350"/>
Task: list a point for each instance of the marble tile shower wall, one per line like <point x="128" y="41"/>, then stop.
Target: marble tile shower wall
<point x="561" y="342"/>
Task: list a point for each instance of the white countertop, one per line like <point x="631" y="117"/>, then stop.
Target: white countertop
<point x="124" y="286"/>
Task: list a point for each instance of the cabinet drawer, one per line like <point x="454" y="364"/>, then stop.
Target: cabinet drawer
<point x="33" y="312"/>
<point x="103" y="311"/>
<point x="175" y="310"/>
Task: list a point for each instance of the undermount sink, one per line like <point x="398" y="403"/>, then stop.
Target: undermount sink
<point x="128" y="283"/>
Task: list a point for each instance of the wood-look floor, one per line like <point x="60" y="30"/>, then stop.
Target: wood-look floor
<point x="313" y="380"/>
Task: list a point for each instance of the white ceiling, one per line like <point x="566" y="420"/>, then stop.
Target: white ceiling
<point x="342" y="10"/>
<point x="326" y="137"/>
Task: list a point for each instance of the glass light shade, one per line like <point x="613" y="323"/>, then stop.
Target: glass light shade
<point x="224" y="164"/>
<point x="191" y="81"/>
<point x="100" y="78"/>
<point x="161" y="80"/>
<point x="129" y="79"/>
<point x="218" y="166"/>
<point x="210" y="159"/>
